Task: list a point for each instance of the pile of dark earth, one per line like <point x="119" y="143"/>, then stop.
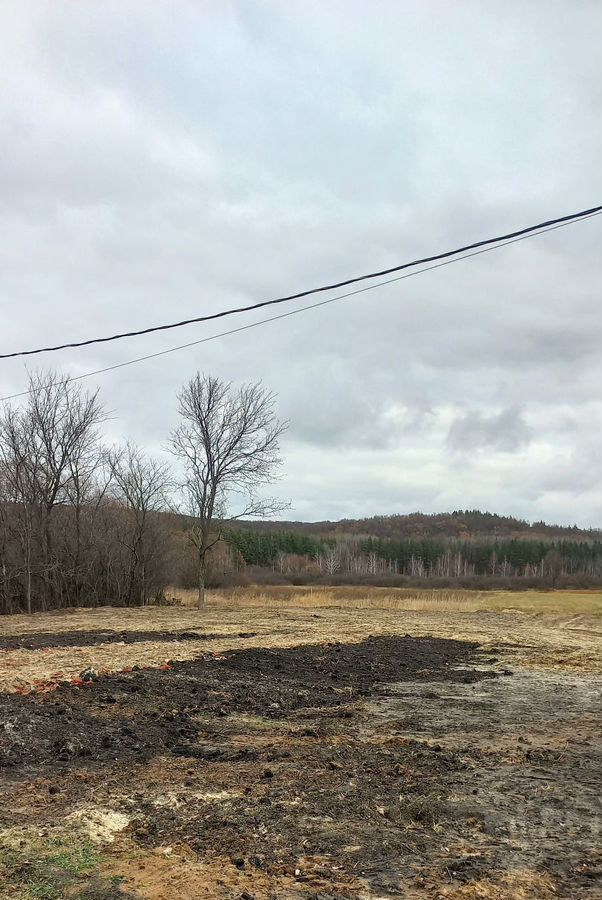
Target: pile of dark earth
<point x="45" y="640"/>
<point x="155" y="711"/>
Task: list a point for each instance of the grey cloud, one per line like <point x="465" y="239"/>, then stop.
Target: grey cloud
<point x="342" y="407"/>
<point x="506" y="431"/>
<point x="160" y="161"/>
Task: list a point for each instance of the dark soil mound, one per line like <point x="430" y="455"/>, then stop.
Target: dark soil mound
<point x="151" y="712"/>
<point x="91" y="638"/>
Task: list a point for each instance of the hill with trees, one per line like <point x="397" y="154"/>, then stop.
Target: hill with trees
<point x="462" y="523"/>
<point x="470" y="547"/>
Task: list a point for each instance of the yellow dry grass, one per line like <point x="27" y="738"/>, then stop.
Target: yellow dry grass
<point x="360" y="597"/>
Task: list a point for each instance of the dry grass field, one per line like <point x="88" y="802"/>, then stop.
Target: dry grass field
<point x="585" y="602"/>
<point x="303" y="743"/>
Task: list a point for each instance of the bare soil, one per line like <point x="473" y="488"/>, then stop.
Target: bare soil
<point x="373" y="765"/>
<point x="43" y="641"/>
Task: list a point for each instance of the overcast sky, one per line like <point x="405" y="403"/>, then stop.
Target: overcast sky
<point x="168" y="159"/>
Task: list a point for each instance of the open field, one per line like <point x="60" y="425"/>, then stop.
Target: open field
<point x="584" y="602"/>
<point x="323" y="745"/>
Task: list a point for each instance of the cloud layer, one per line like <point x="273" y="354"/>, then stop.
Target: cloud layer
<point x="162" y="161"/>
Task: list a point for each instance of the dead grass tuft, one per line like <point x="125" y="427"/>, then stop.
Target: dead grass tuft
<point x="521" y="884"/>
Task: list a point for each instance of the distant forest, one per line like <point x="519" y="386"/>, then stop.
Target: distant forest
<point x="462" y="523"/>
<point x="463" y="545"/>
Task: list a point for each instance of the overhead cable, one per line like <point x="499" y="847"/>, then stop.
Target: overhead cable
<point x="294" y="312"/>
<point x="569" y="219"/>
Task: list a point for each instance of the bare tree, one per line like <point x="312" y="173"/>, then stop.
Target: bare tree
<point x="39" y="445"/>
<point x="88" y="482"/>
<point x="553" y="565"/>
<point x="20" y="461"/>
<point x="332" y="560"/>
<point x="64" y="421"/>
<point x="142" y="484"/>
<point x="4" y="540"/>
<point x="228" y="442"/>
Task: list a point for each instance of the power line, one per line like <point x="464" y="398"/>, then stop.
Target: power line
<point x="294" y="312"/>
<point x="573" y="217"/>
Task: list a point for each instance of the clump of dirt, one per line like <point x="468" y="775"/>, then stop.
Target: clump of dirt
<point x="45" y="640"/>
<point x="521" y="884"/>
<point x="104" y="889"/>
<point x="100" y="825"/>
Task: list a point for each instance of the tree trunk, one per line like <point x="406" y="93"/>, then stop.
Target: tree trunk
<point x="142" y="583"/>
<point x="27" y="553"/>
<point x="48" y="570"/>
<point x="78" y="553"/>
<point x="4" y="590"/>
<point x="201" y="582"/>
<point x="28" y="589"/>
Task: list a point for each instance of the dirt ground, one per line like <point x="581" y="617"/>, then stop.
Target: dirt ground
<point x="301" y="754"/>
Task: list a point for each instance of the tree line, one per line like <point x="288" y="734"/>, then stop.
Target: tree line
<point x="76" y="523"/>
<point x="295" y="553"/>
<point x="461" y="524"/>
<point x="83" y="524"/>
